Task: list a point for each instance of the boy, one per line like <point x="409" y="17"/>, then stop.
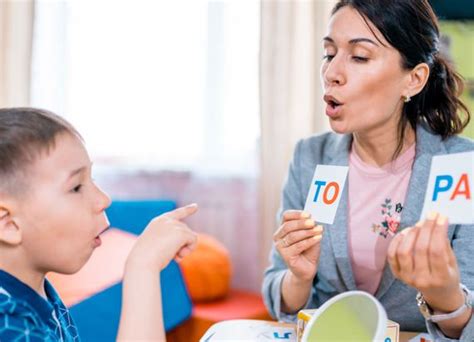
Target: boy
<point x="51" y="218"/>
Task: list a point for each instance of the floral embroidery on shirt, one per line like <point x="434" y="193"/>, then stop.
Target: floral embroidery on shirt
<point x="391" y="220"/>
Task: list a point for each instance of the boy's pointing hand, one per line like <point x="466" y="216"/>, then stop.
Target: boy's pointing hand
<point x="166" y="237"/>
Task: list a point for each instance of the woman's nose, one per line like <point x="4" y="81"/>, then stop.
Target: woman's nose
<point x="334" y="72"/>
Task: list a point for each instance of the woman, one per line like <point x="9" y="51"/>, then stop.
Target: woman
<point x="393" y="101"/>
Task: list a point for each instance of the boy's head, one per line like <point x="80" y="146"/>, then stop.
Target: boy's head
<point x="51" y="212"/>
<point x="26" y="134"/>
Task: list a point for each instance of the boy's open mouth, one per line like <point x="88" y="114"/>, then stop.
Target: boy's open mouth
<point x="103" y="231"/>
<point x="97" y="239"/>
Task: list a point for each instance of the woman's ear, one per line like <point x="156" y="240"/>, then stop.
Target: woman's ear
<point x="417" y="79"/>
<point x="10" y="234"/>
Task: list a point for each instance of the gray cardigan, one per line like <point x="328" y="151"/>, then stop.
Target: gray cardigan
<point x="334" y="271"/>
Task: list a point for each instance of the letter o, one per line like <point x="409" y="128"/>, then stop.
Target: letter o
<point x="334" y="197"/>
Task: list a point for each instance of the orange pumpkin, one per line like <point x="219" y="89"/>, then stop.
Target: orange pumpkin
<point x="207" y="270"/>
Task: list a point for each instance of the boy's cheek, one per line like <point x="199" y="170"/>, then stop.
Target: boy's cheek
<point x="66" y="261"/>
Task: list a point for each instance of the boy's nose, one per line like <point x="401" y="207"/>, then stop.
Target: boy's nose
<point x="103" y="200"/>
<point x="107" y="200"/>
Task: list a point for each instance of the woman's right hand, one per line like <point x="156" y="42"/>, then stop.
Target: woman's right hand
<point x="298" y="242"/>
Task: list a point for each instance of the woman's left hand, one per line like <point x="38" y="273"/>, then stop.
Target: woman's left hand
<point x="422" y="257"/>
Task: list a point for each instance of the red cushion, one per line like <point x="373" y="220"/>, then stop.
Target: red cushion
<point x="238" y="304"/>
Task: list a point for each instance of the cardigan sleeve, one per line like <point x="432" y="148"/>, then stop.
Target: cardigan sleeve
<point x="463" y="247"/>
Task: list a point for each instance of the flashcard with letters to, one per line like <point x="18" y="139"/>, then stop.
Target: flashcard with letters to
<point x="450" y="188"/>
<point x="325" y="192"/>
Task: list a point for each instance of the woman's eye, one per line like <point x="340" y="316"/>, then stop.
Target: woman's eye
<point x="77" y="188"/>
<point x="328" y="57"/>
<point x="360" y="59"/>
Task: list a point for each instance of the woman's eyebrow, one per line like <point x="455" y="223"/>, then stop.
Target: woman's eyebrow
<point x="328" y="39"/>
<point x="362" y="40"/>
<point x="353" y="41"/>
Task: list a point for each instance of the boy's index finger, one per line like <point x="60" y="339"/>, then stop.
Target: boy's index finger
<point x="295" y="215"/>
<point x="182" y="213"/>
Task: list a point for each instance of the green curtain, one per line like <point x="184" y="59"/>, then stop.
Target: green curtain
<point x="461" y="47"/>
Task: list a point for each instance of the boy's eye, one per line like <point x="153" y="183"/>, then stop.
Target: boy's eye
<point x="77" y="188"/>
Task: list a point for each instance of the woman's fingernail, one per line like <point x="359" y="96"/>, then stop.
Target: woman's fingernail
<point x="441" y="220"/>
<point x="432" y="215"/>
<point x="305" y="215"/>
<point x="317" y="237"/>
<point x="405" y="231"/>
<point x="420" y="224"/>
<point x="309" y="223"/>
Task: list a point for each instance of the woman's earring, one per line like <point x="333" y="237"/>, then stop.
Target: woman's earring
<point x="407" y="98"/>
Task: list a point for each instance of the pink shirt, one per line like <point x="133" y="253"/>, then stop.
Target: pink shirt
<point x="376" y="197"/>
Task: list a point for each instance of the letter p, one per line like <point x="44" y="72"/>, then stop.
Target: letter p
<point x="439" y="187"/>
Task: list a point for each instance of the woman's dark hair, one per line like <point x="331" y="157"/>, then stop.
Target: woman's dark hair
<point x="411" y="27"/>
<point x="24" y="134"/>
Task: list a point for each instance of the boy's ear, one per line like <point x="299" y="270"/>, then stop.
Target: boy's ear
<point x="9" y="232"/>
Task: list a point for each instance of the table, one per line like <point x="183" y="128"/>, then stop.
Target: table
<point x="405" y="336"/>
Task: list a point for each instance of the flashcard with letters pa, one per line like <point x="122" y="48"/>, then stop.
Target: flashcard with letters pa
<point x="450" y="188"/>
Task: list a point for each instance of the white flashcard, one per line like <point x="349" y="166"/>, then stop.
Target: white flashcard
<point x="450" y="188"/>
<point x="325" y="192"/>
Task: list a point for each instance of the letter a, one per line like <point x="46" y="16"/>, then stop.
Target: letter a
<point x="466" y="191"/>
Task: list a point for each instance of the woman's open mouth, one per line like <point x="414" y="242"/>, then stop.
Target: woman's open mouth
<point x="333" y="105"/>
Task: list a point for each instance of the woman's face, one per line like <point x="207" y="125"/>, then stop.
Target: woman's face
<point x="363" y="80"/>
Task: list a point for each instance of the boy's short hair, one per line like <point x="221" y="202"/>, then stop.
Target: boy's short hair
<point x="25" y="133"/>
